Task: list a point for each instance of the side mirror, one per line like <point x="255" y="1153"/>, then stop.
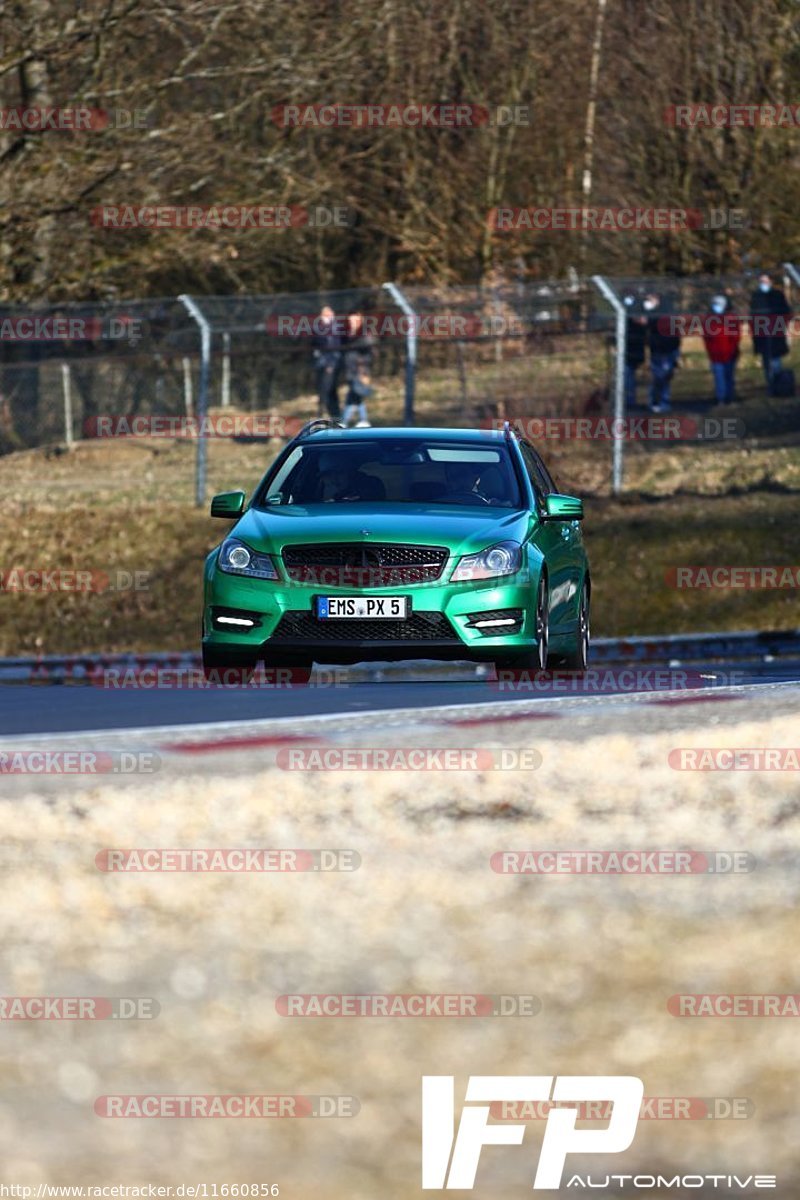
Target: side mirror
<point x="228" y="505"/>
<point x="563" y="508"/>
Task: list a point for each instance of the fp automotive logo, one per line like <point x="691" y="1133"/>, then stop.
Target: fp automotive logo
<point x="561" y="1138"/>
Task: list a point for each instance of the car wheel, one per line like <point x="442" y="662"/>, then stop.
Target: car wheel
<point x="226" y="666"/>
<point x="536" y="658"/>
<point x="578" y="660"/>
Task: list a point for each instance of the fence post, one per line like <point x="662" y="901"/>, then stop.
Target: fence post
<point x="411" y="350"/>
<point x="66" y="383"/>
<point x="613" y="299"/>
<point x="226" y="370"/>
<point x="188" y="399"/>
<point x="202" y="397"/>
<point x="498" y="339"/>
<point x="792" y="272"/>
<point x="462" y="374"/>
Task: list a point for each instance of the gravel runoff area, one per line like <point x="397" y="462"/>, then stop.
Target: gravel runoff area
<point x="423" y="913"/>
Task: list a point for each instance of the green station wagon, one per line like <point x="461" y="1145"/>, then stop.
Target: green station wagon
<point x="399" y="543"/>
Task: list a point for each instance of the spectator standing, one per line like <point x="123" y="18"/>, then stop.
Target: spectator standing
<point x="635" y="346"/>
<point x="664" y="344"/>
<point x="770" y="313"/>
<point x="326" y="354"/>
<point x="722" y="334"/>
<point x="358" y="349"/>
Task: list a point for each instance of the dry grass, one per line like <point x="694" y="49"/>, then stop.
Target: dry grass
<point x="423" y="913"/>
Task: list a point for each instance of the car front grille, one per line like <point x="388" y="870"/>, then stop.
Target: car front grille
<point x="358" y="564"/>
<point x="296" y="627"/>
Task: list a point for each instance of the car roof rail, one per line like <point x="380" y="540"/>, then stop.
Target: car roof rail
<point x="317" y="424"/>
<point x="313" y="427"/>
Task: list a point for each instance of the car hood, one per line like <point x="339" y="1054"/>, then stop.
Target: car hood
<point x="462" y="530"/>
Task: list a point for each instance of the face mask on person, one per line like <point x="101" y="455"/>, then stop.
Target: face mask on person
<point x="718" y="308"/>
<point x="649" y="305"/>
<point x="765" y="287"/>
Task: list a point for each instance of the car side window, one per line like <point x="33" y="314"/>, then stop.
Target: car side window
<point x="550" y="486"/>
<point x="285" y="478"/>
<point x="541" y="484"/>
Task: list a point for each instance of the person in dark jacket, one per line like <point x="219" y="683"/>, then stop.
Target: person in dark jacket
<point x="722" y="334"/>
<point x="635" y="346"/>
<point x="326" y="355"/>
<point x="357" y="349"/>
<point x="664" y="344"/>
<point x="770" y="314"/>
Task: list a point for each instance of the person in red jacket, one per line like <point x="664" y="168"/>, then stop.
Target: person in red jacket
<point x="722" y="334"/>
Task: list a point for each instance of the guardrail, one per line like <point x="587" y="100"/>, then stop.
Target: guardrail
<point x="673" y="649"/>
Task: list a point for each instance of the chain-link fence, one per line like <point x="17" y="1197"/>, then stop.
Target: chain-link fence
<point x="216" y="373"/>
<point x="170" y="367"/>
<point x="679" y="343"/>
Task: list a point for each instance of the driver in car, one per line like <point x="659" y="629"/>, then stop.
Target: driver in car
<point x="463" y="479"/>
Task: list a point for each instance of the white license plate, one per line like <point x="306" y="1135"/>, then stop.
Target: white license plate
<point x="388" y="608"/>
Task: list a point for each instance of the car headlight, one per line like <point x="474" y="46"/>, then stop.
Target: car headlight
<point x="503" y="559"/>
<point x="235" y="558"/>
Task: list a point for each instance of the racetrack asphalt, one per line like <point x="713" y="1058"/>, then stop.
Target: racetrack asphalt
<point x="172" y="699"/>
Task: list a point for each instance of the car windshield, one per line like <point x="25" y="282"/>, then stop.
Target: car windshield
<point x="405" y="471"/>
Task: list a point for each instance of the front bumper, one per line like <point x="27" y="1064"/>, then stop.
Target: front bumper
<point x="441" y="624"/>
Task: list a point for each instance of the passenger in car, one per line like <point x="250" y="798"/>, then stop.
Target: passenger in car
<point x="343" y="482"/>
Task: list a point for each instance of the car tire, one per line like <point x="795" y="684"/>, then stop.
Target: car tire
<point x="227" y="667"/>
<point x="578" y="659"/>
<point x="536" y="659"/>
